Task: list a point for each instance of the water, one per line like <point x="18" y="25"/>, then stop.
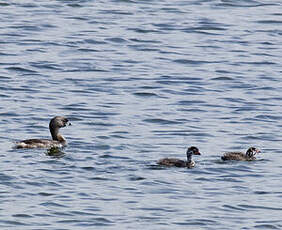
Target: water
<point x="141" y="80"/>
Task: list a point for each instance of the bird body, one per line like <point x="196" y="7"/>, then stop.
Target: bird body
<point x="176" y="162"/>
<point x="39" y="143"/>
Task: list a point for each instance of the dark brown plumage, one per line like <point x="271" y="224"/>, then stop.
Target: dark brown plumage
<point x="180" y="163"/>
<point x="58" y="140"/>
<point x="240" y="156"/>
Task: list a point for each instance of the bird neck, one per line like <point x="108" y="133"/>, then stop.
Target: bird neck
<point x="56" y="136"/>
<point x="189" y="158"/>
<point x="249" y="154"/>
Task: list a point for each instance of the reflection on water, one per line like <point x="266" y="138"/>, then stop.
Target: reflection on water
<point x="55" y="152"/>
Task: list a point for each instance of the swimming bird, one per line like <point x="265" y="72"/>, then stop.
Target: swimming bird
<point x="180" y="163"/>
<point x="240" y="156"/>
<point x="57" y="139"/>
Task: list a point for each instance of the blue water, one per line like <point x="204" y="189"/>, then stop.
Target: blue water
<point x="141" y="80"/>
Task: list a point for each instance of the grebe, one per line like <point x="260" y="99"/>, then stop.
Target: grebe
<point x="58" y="140"/>
<point x="180" y="163"/>
<point x="239" y="156"/>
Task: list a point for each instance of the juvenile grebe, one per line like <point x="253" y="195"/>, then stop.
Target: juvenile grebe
<point x="58" y="140"/>
<point x="239" y="156"/>
<point x="180" y="163"/>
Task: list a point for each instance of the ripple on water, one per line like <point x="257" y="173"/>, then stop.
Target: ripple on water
<point x="21" y="70"/>
<point x="146" y="94"/>
<point x="6" y="223"/>
<point x="266" y="226"/>
<point x="248" y="207"/>
<point x="161" y="121"/>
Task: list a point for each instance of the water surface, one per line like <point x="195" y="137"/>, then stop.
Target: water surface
<point x="141" y="80"/>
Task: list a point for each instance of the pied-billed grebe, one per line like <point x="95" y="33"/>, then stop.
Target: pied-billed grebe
<point x="58" y="140"/>
<point x="180" y="163"/>
<point x="239" y="156"/>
